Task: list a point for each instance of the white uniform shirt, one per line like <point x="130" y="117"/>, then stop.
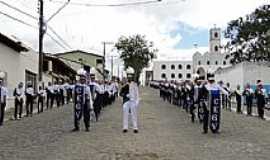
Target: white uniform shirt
<point x="41" y="92"/>
<point x="19" y="91"/>
<point x="213" y="87"/>
<point x="56" y="88"/>
<point x="4" y="93"/>
<point x="30" y="91"/>
<point x="115" y="87"/>
<point x="50" y="88"/>
<point x="133" y="92"/>
<point x="99" y="89"/>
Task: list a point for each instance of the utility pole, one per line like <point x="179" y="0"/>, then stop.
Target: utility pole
<point x="111" y="67"/>
<point x="42" y="31"/>
<point x="118" y="71"/>
<point x="41" y="35"/>
<point x="104" y="60"/>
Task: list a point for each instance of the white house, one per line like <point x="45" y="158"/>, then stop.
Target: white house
<point x="172" y="70"/>
<point x="19" y="63"/>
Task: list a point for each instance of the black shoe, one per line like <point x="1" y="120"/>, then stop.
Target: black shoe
<point x="136" y="131"/>
<point x="125" y="131"/>
<point x="87" y="129"/>
<point x="204" y="132"/>
<point x="75" y="130"/>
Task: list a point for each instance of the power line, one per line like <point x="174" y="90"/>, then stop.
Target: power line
<point x="35" y="18"/>
<point x="109" y="5"/>
<point x="32" y="26"/>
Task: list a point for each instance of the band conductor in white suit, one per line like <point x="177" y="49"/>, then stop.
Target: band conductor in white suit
<point x="130" y="94"/>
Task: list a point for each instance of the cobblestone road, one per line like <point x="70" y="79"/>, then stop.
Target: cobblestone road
<point x="166" y="133"/>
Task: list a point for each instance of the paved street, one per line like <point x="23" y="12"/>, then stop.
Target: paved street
<point x="166" y="133"/>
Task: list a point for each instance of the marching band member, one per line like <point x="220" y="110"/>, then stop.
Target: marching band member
<point x="82" y="102"/>
<point x="3" y="98"/>
<point x="18" y="94"/>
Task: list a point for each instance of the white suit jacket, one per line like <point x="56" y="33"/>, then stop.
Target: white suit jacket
<point x="134" y="92"/>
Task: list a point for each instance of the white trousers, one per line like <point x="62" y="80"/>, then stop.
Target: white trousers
<point x="128" y="107"/>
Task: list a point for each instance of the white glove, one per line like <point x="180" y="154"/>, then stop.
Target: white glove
<point x="137" y="103"/>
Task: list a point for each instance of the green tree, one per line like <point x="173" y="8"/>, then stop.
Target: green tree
<point x="136" y="52"/>
<point x="249" y="36"/>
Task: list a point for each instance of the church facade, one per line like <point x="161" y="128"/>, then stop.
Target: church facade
<point x="201" y="63"/>
<point x="213" y="59"/>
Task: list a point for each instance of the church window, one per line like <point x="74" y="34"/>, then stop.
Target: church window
<point x="173" y="67"/>
<point x="172" y="75"/>
<point x="216" y="35"/>
<point x="179" y="66"/>
<point x="188" y="76"/>
<point x="163" y="75"/>
<point x="208" y="62"/>
<point x="216" y="48"/>
<point x="188" y="66"/>
<point x="180" y="75"/>
<point x="199" y="62"/>
<point x="216" y="62"/>
<point x="163" y="66"/>
<point x="224" y="63"/>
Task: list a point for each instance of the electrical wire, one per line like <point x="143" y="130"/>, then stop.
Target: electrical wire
<point x="35" y="18"/>
<point x="32" y="26"/>
<point x="109" y="5"/>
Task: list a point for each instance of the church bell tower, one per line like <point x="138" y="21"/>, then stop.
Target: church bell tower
<point x="215" y="40"/>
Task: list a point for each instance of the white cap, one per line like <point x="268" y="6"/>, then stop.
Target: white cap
<point x="93" y="70"/>
<point x="260" y="83"/>
<point x="81" y="72"/>
<point x="2" y="75"/>
<point x="130" y="70"/>
<point x="195" y="76"/>
<point x="124" y="74"/>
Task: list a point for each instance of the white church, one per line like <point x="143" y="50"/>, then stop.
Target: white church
<point x="214" y="60"/>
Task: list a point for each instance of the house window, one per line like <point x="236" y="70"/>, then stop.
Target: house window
<point x="224" y="63"/>
<point x="32" y="77"/>
<point x="99" y="61"/>
<point x="199" y="62"/>
<point x="188" y="66"/>
<point x="216" y="62"/>
<point x="180" y="75"/>
<point x="172" y="67"/>
<point x="188" y="75"/>
<point x="163" y="75"/>
<point x="172" y="75"/>
<point x="208" y="62"/>
<point x="179" y="66"/>
<point x="45" y="66"/>
<point x="163" y="66"/>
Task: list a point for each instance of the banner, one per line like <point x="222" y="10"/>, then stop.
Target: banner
<point x="215" y="110"/>
<point x="201" y="103"/>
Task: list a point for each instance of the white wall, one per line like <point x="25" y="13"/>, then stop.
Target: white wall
<point x="157" y="70"/>
<point x="15" y="64"/>
<point x="244" y="73"/>
<point x="234" y="75"/>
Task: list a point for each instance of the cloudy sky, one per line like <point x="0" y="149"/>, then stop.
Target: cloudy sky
<point x="173" y="25"/>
